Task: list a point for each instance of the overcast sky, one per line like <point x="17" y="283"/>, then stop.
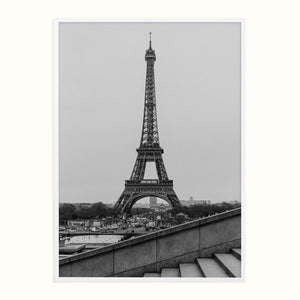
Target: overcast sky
<point x="101" y="96"/>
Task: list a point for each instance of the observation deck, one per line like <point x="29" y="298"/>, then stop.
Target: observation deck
<point x="148" y="182"/>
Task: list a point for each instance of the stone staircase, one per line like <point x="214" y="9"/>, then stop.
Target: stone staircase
<point x="220" y="265"/>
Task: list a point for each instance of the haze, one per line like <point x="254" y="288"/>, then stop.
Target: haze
<point x="101" y="96"/>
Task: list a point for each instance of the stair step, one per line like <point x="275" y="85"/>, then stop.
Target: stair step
<point x="210" y="268"/>
<point x="230" y="264"/>
<point x="151" y="274"/>
<point x="190" y="270"/>
<point x="237" y="252"/>
<point x="170" y="272"/>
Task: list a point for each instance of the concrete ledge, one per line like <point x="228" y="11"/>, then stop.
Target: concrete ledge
<point x="150" y="236"/>
<point x="164" y="248"/>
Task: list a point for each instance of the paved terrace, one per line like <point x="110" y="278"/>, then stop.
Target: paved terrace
<point x="162" y="249"/>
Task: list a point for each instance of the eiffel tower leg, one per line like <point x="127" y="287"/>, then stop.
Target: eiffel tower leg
<point x="160" y="168"/>
<point x="173" y="199"/>
<point x="127" y="206"/>
<point x="122" y="199"/>
<point x="139" y="168"/>
<point x="130" y="197"/>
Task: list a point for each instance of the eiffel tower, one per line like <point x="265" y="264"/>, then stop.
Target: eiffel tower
<point x="149" y="151"/>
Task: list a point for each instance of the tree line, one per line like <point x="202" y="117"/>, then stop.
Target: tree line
<point x="204" y="210"/>
<point x="68" y="211"/>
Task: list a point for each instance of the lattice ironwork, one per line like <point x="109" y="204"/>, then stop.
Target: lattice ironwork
<point x="149" y="151"/>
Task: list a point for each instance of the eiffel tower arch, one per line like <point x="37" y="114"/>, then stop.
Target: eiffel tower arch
<point x="149" y="151"/>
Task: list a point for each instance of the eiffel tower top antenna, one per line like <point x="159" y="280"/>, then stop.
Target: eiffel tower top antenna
<point x="150" y="46"/>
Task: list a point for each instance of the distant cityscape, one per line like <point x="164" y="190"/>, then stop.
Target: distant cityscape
<point x="95" y="224"/>
<point x="155" y="214"/>
<point x="153" y="201"/>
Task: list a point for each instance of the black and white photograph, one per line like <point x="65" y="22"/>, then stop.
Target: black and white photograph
<point x="149" y="150"/>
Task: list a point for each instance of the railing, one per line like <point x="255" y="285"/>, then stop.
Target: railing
<point x="149" y="181"/>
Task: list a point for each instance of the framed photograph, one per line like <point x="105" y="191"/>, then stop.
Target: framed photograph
<point x="148" y="150"/>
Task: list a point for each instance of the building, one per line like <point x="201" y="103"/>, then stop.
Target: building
<point x="191" y="201"/>
<point x="96" y="223"/>
<point x="160" y="207"/>
<point x="78" y="223"/>
<point x="200" y="202"/>
<point x="141" y="205"/>
<point x="234" y="202"/>
<point x="185" y="202"/>
<point x="153" y="201"/>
